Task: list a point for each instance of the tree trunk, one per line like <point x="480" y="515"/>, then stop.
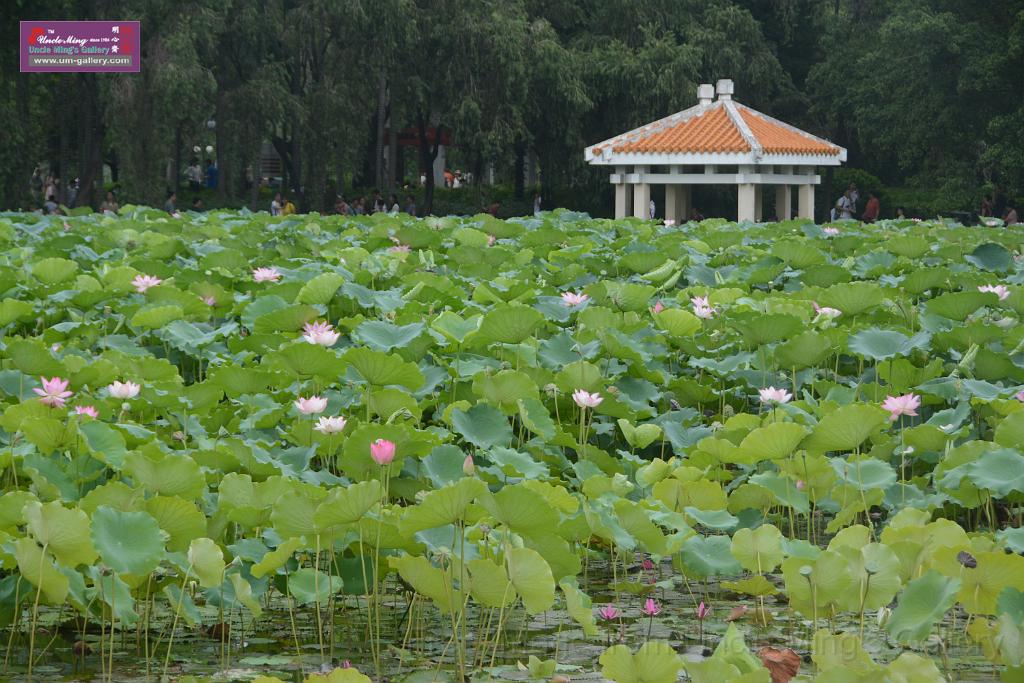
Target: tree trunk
<point x="218" y="141"/>
<point x="520" y="169"/>
<point x="92" y="136"/>
<point x="428" y="154"/>
<point x="392" y="153"/>
<point x="63" y="157"/>
<point x="176" y="181"/>
<point x="378" y="158"/>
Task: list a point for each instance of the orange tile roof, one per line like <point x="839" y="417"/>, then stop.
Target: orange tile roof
<point x="708" y="132"/>
<point x="776" y="139"/>
<point x="713" y="131"/>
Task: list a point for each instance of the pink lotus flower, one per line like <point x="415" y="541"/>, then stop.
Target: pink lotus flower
<point x="143" y="282"/>
<point x="658" y="307"/>
<point x="831" y="232"/>
<point x="901" y="405"/>
<point x="266" y="275"/>
<point x="491" y="239"/>
<point x="320" y="333"/>
<point x="330" y="425"/>
<point x="585" y="399"/>
<point x="311" y="405"/>
<point x="1001" y="290"/>
<point x="1020" y="396"/>
<point x="702" y="308"/>
<point x="346" y="664"/>
<point x="382" y="451"/>
<point x="54" y="392"/>
<point x="651" y="608"/>
<point x="468" y="467"/>
<point x="703" y="611"/>
<point x="647" y="565"/>
<point x="826" y="312"/>
<point x="89" y="411"/>
<point x="608" y="612"/>
<point x="400" y="249"/>
<point x="800" y="484"/>
<point x="571" y="299"/>
<point x="773" y="395"/>
<point x="209" y="300"/>
<point x="124" y="390"/>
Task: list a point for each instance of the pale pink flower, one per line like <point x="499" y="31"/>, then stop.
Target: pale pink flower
<point x="143" y="282"/>
<point x="651" y="608"/>
<point x="702" y="308"/>
<point x="382" y="451"/>
<point x="573" y="299"/>
<point x="330" y="425"/>
<point x="67" y="226"/>
<point x="266" y="274"/>
<point x="1001" y="290"/>
<point x="54" y="392"/>
<point x="669" y="221"/>
<point x="608" y="612"/>
<point x="89" y="411"/>
<point x="901" y="405"/>
<point x="320" y="333"/>
<point x="491" y="239"/>
<point x="123" y="390"/>
<point x="400" y="249"/>
<point x="773" y="395"/>
<point x="468" y="467"/>
<point x="311" y="405"/>
<point x="1020" y="396"/>
<point x="658" y="307"/>
<point x="800" y="484"/>
<point x="346" y="664"/>
<point x="209" y="300"/>
<point x="826" y="312"/>
<point x="703" y="611"/>
<point x="55" y="347"/>
<point x="831" y="232"/>
<point x="585" y="399"/>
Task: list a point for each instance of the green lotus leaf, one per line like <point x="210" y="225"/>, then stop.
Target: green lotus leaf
<point x="381" y="369"/>
<point x="51" y="271"/>
<point x="521" y="509"/>
<point x="531" y="576"/>
<point x="180" y="519"/>
<point x="991" y="257"/>
<point x="678" y="323"/>
<point x="654" y="662"/>
<point x="642" y="436"/>
<point x="845" y="428"/>
<point x="489" y="583"/>
<point x="804" y="350"/>
<point x="866" y="475"/>
<point x="921" y="605"/>
<point x="276" y="558"/>
<point x="454" y="327"/>
<point x="128" y="542"/>
<point x="381" y="335"/>
<point x="173" y="474"/>
<point x="63" y="532"/>
<point x="105" y="442"/>
<point x="981" y="586"/>
<point x="482" y="425"/>
<point x="579" y="607"/>
<point x="758" y="329"/>
<point x="348" y="505"/>
<point x="207" y="562"/>
<point x="305" y="360"/>
<point x="34" y="359"/>
<point x="320" y="289"/>
<point x="536" y="418"/>
<point x="311" y="586"/>
<point x="878" y="344"/>
<point x="771" y="442"/>
<point x="37" y="567"/>
<point x="155" y="317"/>
<point x="289" y="318"/>
<point x="758" y="550"/>
<point x="852" y="298"/>
<point x="13" y="309"/>
<point x="508" y="325"/>
<point x="442" y="506"/>
<point x="843" y="651"/>
<point x="429" y="581"/>
<point x="705" y="556"/>
<point x="958" y="305"/>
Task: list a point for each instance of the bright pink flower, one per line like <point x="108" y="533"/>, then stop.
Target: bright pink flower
<point x="468" y="467"/>
<point x="346" y="664"/>
<point x="54" y="392"/>
<point x="123" y="390"/>
<point x="1002" y="291"/>
<point x="266" y="275"/>
<point x="143" y="282"/>
<point x="89" y="411"/>
<point x="608" y="612"/>
<point x="330" y="425"/>
<point x="571" y="299"/>
<point x="658" y="307"/>
<point x="311" y="405"/>
<point x="651" y="608"/>
<point x="703" y="611"/>
<point x="585" y="399"/>
<point x="647" y="565"/>
<point x="382" y="451"/>
<point x="320" y="333"/>
<point x="901" y="405"/>
<point x="773" y="395"/>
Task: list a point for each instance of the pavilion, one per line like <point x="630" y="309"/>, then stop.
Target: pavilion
<point x="716" y="142"/>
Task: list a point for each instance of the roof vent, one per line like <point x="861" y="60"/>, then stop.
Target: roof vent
<point x="705" y="93"/>
<point x="724" y="88"/>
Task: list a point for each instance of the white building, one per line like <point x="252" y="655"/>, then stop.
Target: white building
<point x="718" y="141"/>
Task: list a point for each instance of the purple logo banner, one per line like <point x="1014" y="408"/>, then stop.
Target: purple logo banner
<point x="70" y="46"/>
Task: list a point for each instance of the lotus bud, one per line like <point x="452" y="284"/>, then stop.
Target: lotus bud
<point x="467" y="466"/>
<point x="178" y="436"/>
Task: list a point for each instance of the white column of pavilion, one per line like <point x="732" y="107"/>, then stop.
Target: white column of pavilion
<point x="718" y="141"/>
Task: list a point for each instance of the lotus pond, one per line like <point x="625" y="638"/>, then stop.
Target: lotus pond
<point x="237" y="447"/>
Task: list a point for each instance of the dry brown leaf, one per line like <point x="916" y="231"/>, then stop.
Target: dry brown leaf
<point x="782" y="664"/>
